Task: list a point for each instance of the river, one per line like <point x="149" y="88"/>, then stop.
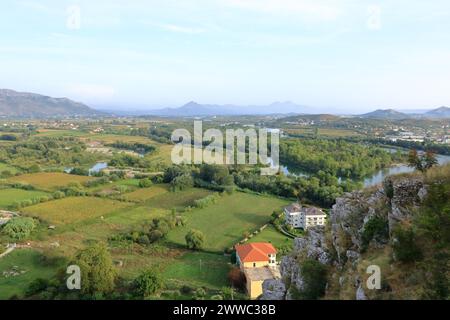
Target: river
<point x="374" y="179"/>
<point x="96" y="168"/>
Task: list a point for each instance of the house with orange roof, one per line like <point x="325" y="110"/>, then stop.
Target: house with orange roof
<point x="258" y="262"/>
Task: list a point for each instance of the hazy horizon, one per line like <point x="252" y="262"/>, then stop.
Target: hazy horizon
<point x="335" y="56"/>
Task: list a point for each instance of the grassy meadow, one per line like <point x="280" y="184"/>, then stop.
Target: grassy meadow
<point x="49" y="180"/>
<point x="9" y="195"/>
<point x="200" y="269"/>
<point x="73" y="209"/>
<point x="225" y="222"/>
<point x="19" y="268"/>
<point x="271" y="235"/>
<point x="7" y="167"/>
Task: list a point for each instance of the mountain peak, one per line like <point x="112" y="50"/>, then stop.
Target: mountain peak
<point x="16" y="104"/>
<point x="439" y="112"/>
<point x="385" y="114"/>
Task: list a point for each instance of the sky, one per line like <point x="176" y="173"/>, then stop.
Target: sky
<point x="341" y="56"/>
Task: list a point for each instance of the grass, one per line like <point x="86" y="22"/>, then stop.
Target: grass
<point x="49" y="180"/>
<point x="128" y="182"/>
<point x="339" y="133"/>
<point x="59" y="133"/>
<point x="162" y="155"/>
<point x="273" y="236"/>
<point x="135" y="216"/>
<point x="225" y="222"/>
<point x="177" y="200"/>
<point x="73" y="209"/>
<point x="147" y="193"/>
<point x="111" y="138"/>
<point x="7" y="167"/>
<point x="199" y="269"/>
<point x="9" y="196"/>
<point x="25" y="260"/>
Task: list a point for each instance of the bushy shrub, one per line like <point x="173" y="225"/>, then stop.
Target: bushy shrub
<point x="58" y="195"/>
<point x="148" y="282"/>
<point x="377" y="228"/>
<point x="97" y="269"/>
<point x="19" y="228"/>
<point x="145" y="183"/>
<point x="79" y="171"/>
<point x="195" y="239"/>
<point x="314" y="275"/>
<point x="36" y="286"/>
<point x="144" y="239"/>
<point x="207" y="201"/>
<point x="405" y="246"/>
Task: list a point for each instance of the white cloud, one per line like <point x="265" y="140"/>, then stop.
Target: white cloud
<point x="310" y="9"/>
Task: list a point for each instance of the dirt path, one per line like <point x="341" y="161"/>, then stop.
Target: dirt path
<point x="8" y="251"/>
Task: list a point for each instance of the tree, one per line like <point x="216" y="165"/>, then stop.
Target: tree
<point x="79" y="171"/>
<point x="314" y="275"/>
<point x="422" y="162"/>
<point x="405" y="245"/>
<point x="181" y="182"/>
<point x="97" y="271"/>
<point x="195" y="239"/>
<point x="145" y="183"/>
<point x="430" y="159"/>
<point x="236" y="278"/>
<point x="414" y="160"/>
<point x="19" y="228"/>
<point x="148" y="282"/>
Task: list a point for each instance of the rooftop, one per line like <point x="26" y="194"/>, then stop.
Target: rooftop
<point x="295" y="207"/>
<point x="261" y="274"/>
<point x="313" y="211"/>
<point x="257" y="251"/>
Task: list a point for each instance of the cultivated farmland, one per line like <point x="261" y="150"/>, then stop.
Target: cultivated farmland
<point x="74" y="209"/>
<point x="147" y="193"/>
<point x="49" y="180"/>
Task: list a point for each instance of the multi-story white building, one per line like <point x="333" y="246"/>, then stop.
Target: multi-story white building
<point x="304" y="217"/>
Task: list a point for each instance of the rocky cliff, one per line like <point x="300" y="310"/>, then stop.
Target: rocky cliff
<point x="360" y="232"/>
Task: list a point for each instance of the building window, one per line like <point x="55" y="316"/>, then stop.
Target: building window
<point x="254" y="264"/>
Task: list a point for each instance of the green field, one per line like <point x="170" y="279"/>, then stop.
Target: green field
<point x="225" y="222"/>
<point x="147" y="193"/>
<point x="78" y="220"/>
<point x="200" y="269"/>
<point x="49" y="180"/>
<point x="111" y="138"/>
<point x="21" y="260"/>
<point x="177" y="200"/>
<point x="328" y="132"/>
<point x="74" y="209"/>
<point x="271" y="235"/>
<point x="59" y="133"/>
<point x="10" y="195"/>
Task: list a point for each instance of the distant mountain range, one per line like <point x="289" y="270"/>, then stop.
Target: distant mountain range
<point x="442" y="112"/>
<point x="15" y="104"/>
<point x="391" y="114"/>
<point x="195" y="109"/>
